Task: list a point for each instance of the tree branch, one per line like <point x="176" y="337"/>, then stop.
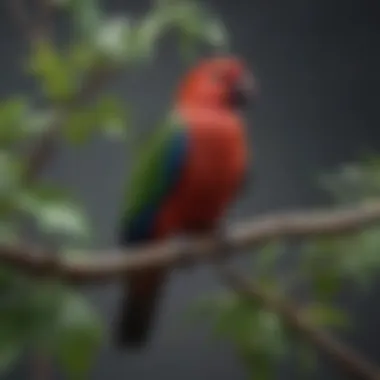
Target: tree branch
<point x="113" y="264"/>
<point x="33" y="32"/>
<point x="350" y="361"/>
<point x="36" y="261"/>
<point x="43" y="150"/>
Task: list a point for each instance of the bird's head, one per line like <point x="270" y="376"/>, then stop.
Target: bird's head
<point x="222" y="82"/>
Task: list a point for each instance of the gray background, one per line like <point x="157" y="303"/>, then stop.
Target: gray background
<point x="318" y="63"/>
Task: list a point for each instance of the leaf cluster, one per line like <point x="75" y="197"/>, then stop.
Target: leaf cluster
<point x="324" y="268"/>
<point x="47" y="315"/>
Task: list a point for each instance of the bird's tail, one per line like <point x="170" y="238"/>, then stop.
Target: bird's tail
<point x="138" y="310"/>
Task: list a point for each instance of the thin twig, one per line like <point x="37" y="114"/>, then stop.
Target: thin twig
<point x="113" y="264"/>
<point x="348" y="360"/>
<point x="33" y="32"/>
<point x="42" y="151"/>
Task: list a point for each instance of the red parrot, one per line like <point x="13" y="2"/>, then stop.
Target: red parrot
<point x="185" y="178"/>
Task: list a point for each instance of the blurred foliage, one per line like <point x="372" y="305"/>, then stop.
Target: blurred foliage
<point x="49" y="316"/>
<point x="326" y="265"/>
<point x="44" y="314"/>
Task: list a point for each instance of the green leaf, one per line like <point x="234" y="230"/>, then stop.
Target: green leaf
<point x="346" y="185"/>
<point x="113" y="39"/>
<point x="226" y="311"/>
<point x="39" y="121"/>
<point x="100" y="40"/>
<point x="216" y="34"/>
<point x="270" y="334"/>
<point x="58" y="80"/>
<point x="112" y="117"/>
<point x="47" y="315"/>
<point x="146" y="33"/>
<point x="326" y="285"/>
<point x="198" y="25"/>
<point x="321" y="264"/>
<point x="108" y="115"/>
<point x="306" y="357"/>
<point x="45" y="301"/>
<point x="82" y="56"/>
<point x="62" y="218"/>
<point x="353" y="182"/>
<point x="9" y="354"/>
<point x="12" y="119"/>
<point x="6" y="279"/>
<point x="10" y="171"/>
<point x="27" y="313"/>
<point x="10" y="179"/>
<point x="188" y="46"/>
<point x="248" y="326"/>
<point x="325" y="316"/>
<point x="259" y="365"/>
<point x="193" y="23"/>
<point x="78" y="336"/>
<point x="8" y="232"/>
<point x="266" y="259"/>
<point x="237" y="322"/>
<point x="54" y="212"/>
<point x="327" y="262"/>
<point x="362" y="267"/>
<point x="81" y="125"/>
<point x="87" y="18"/>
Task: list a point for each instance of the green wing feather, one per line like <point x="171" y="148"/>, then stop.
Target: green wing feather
<point x="148" y="181"/>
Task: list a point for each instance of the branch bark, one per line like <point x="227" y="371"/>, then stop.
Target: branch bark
<point x="349" y="361"/>
<point x="113" y="264"/>
<point x="34" y="31"/>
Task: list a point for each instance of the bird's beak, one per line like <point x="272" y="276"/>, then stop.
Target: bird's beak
<point x="245" y="91"/>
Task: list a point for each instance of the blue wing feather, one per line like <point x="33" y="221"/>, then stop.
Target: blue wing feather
<point x="140" y="227"/>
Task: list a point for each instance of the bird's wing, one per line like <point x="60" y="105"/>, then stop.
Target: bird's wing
<point x="157" y="170"/>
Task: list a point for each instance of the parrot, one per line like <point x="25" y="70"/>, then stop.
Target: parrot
<point x="186" y="176"/>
